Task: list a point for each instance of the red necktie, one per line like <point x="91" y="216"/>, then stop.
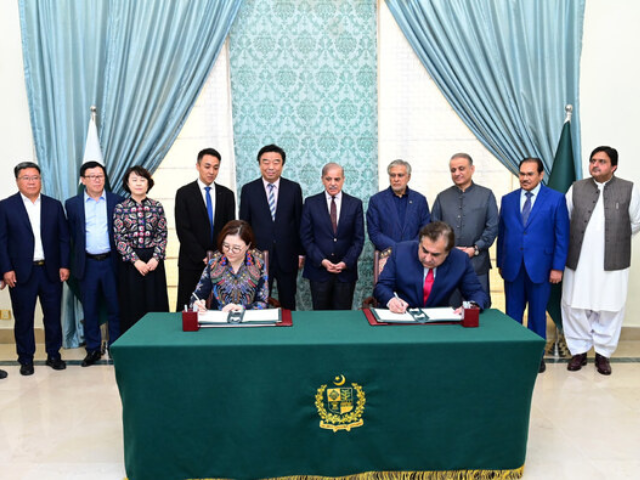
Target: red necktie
<point x="428" y="284"/>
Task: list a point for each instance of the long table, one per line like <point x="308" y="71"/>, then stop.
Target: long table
<point x="330" y="396"/>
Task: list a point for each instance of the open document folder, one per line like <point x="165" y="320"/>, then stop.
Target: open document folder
<point x="418" y="315"/>
<point x="216" y="318"/>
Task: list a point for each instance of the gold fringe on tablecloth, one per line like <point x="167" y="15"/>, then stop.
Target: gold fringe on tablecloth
<point x="427" y="475"/>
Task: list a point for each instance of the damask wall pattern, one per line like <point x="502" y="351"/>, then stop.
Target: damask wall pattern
<point x="304" y="76"/>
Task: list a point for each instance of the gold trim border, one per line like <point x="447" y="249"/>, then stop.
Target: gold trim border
<point x="419" y="475"/>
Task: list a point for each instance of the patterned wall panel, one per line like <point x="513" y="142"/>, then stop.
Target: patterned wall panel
<point x="304" y="76"/>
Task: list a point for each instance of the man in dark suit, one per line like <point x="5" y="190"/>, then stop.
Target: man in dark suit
<point x="94" y="260"/>
<point x="34" y="262"/>
<point x="332" y="234"/>
<point x="426" y="273"/>
<point x="272" y="205"/>
<point x="397" y="213"/>
<point x="3" y="374"/>
<point x="202" y="208"/>
<point x="533" y="240"/>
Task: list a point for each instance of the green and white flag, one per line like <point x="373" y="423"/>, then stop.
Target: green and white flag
<point x="563" y="174"/>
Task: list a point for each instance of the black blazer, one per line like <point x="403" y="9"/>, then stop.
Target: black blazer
<point x="192" y="223"/>
<point x="281" y="236"/>
<point x="17" y="240"/>
<point x="77" y="229"/>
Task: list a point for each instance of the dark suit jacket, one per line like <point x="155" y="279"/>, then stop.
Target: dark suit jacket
<point x="17" y="240"/>
<point x="316" y="234"/>
<point x="283" y="235"/>
<point x="192" y="223"/>
<point x="404" y="274"/>
<point x="77" y="229"/>
<point x="542" y="243"/>
<point x="383" y="224"/>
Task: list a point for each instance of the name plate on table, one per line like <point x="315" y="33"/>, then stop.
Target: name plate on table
<point x="416" y="316"/>
<point x="269" y="317"/>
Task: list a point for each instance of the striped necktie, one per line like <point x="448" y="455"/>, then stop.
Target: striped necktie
<point x="272" y="201"/>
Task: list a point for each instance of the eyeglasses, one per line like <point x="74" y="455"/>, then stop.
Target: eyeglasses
<point x="26" y="178"/>
<point x="232" y="249"/>
<point x="93" y="178"/>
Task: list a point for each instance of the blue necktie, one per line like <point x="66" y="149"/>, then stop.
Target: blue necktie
<point x="210" y="209"/>
<point x="272" y="201"/>
<point x="526" y="209"/>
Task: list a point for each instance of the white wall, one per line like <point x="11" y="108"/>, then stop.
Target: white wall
<point x="16" y="142"/>
<point x="609" y="101"/>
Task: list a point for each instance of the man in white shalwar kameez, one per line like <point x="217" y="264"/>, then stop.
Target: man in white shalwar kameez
<point x="605" y="213"/>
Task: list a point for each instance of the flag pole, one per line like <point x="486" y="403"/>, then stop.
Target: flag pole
<point x="568" y="111"/>
<point x="561" y="177"/>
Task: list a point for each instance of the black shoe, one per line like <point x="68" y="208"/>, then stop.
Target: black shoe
<point x="26" y="369"/>
<point x="56" y="364"/>
<point x="3" y="374"/>
<point x="602" y="364"/>
<point x="91" y="358"/>
<point x="542" y="367"/>
<point x="577" y="362"/>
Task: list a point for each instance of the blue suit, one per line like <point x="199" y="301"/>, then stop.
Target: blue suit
<point x="32" y="281"/>
<point x="319" y="242"/>
<point x="94" y="275"/>
<point x="404" y="274"/>
<point x="281" y="238"/>
<point x="383" y="224"/>
<point x="527" y="253"/>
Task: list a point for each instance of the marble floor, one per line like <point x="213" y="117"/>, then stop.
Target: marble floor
<point x="67" y="425"/>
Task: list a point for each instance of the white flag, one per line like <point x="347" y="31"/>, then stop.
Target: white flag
<point x="92" y="150"/>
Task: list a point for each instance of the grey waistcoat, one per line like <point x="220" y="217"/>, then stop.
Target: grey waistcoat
<point x="617" y="224"/>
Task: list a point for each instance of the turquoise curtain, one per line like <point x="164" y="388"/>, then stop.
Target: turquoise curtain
<point x="142" y="63"/>
<point x="507" y="67"/>
<point x="304" y="76"/>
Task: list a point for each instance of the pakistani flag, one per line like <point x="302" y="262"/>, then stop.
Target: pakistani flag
<point x="563" y="174"/>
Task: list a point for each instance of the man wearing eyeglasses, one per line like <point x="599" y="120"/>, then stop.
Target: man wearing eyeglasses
<point x="94" y="256"/>
<point x="34" y="261"/>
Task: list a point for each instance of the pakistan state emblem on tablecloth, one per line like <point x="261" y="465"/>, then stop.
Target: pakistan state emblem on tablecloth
<point x="340" y="407"/>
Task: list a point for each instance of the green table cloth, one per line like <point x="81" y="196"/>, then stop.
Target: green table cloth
<point x="331" y="396"/>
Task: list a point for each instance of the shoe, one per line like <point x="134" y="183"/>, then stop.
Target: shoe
<point x="56" y="364"/>
<point x="603" y="365"/>
<point x="542" y="367"/>
<point x="577" y="362"/>
<point x="26" y="369"/>
<point x="3" y="374"/>
<point x="91" y="358"/>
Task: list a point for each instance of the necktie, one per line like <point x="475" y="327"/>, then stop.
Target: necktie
<point x="272" y="201"/>
<point x="210" y="209"/>
<point x="334" y="215"/>
<point x="428" y="284"/>
<point x="526" y="209"/>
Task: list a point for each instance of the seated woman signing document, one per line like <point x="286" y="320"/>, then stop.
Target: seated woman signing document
<point x="236" y="274"/>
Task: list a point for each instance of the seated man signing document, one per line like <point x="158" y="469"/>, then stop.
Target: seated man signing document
<point x="424" y="273"/>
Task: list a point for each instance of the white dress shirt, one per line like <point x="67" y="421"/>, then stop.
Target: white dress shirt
<point x="33" y="211"/>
